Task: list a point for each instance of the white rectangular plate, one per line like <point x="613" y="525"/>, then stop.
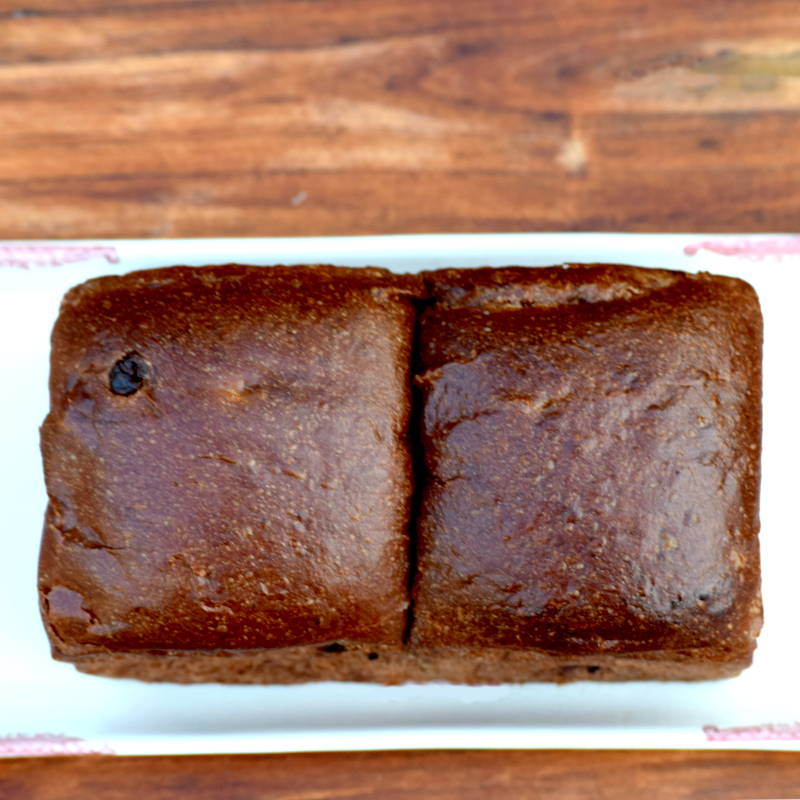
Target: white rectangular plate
<point x="47" y="707"/>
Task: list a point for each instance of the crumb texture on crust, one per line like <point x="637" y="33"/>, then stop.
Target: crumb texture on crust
<point x="592" y="461"/>
<point x="226" y="460"/>
<point x="393" y="665"/>
<point x="493" y="289"/>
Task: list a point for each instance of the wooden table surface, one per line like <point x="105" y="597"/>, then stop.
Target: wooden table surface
<point x="299" y="117"/>
<point x="440" y="775"/>
<point x="308" y="117"/>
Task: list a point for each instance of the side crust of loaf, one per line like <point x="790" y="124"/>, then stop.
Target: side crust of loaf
<point x="392" y="666"/>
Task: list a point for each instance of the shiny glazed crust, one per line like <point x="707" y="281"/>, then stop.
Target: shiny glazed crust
<point x="253" y="491"/>
<point x="591" y="437"/>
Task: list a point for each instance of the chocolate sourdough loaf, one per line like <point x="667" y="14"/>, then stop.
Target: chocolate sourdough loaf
<point x="228" y="463"/>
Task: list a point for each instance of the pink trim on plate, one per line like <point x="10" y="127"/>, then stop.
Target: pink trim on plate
<point x="49" y="744"/>
<point x="785" y="731"/>
<point x="756" y="250"/>
<point x="25" y="256"/>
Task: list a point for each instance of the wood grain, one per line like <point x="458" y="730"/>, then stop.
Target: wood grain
<point x="207" y="117"/>
<point x="542" y="775"/>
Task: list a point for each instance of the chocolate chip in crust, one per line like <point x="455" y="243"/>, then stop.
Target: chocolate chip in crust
<point x="128" y="374"/>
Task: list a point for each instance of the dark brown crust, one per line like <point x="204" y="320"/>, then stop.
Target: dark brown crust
<point x="393" y="665"/>
<point x="254" y="492"/>
<point x="592" y="439"/>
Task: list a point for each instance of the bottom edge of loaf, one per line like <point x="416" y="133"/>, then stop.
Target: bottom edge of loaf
<point x="393" y="665"/>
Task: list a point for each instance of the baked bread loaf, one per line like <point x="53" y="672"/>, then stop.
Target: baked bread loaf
<point x="591" y="436"/>
<point x="228" y="464"/>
